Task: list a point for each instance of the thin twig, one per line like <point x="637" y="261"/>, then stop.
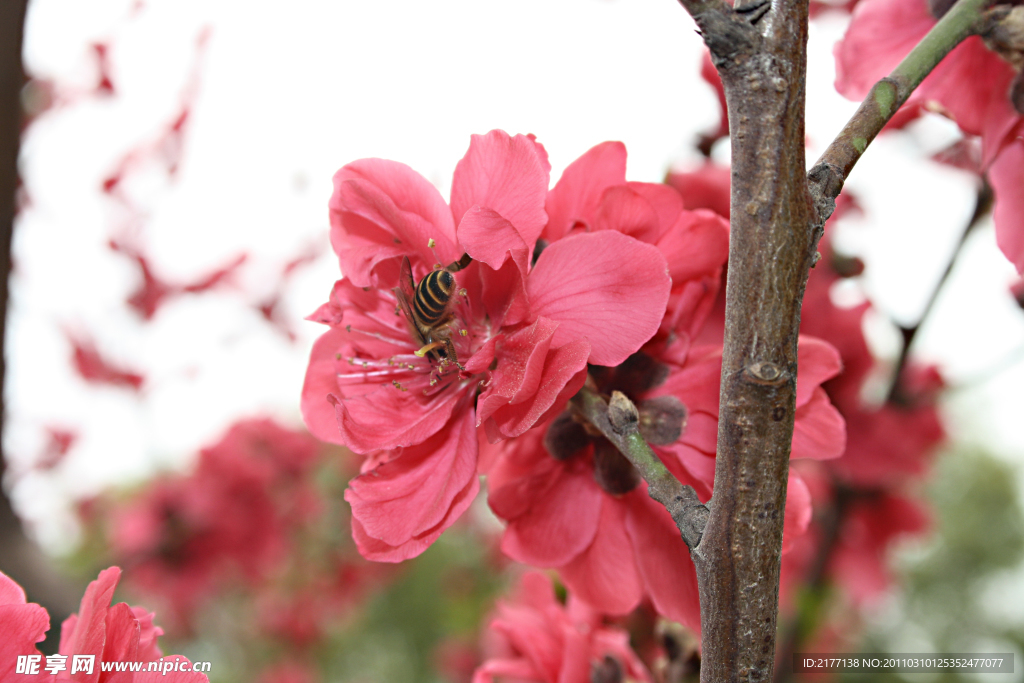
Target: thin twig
<point x="619" y="423"/>
<point x="982" y="206"/>
<point x="833" y="168"/>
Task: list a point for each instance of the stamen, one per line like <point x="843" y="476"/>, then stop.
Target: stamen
<point x="464" y="333"/>
<point x="398" y="385"/>
<point x="377" y="335"/>
<point x="431" y="243"/>
<point x="362" y="375"/>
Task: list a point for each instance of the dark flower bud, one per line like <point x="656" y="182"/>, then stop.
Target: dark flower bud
<point x="565" y="437"/>
<point x="662" y="420"/>
<point x="634" y="376"/>
<point x="608" y="670"/>
<point x="939" y="8"/>
<point x="613" y="472"/>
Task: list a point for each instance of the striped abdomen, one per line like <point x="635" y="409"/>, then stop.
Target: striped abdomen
<point x="432" y="296"/>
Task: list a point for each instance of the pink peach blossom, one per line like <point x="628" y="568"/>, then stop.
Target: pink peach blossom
<point x="526" y="324"/>
<point x="533" y="638"/>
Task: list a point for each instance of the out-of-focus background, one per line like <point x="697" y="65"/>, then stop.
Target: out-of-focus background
<point x="172" y="229"/>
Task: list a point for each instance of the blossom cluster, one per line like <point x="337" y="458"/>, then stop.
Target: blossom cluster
<point x="241" y="521"/>
<point x="596" y="281"/>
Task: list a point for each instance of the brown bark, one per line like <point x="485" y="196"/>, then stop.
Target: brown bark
<point x="760" y="52"/>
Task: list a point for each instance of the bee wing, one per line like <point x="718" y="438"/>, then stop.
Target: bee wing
<point x="405" y="292"/>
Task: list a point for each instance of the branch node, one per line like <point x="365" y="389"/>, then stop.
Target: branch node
<point x="622" y="413"/>
<point x="766" y="372"/>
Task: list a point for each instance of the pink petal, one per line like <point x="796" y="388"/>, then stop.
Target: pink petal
<point x="502" y="294"/>
<point x="148" y="649"/>
<point x="798" y="510"/>
<point x="317" y="411"/>
<point x="1007" y="178"/>
<point x="21" y="627"/>
<point x="559" y="525"/>
<point x="483" y="357"/>
<point x="605" y="287"/>
<point x="820" y="431"/>
<point x="628" y="212"/>
<point x="691" y="465"/>
<point x="881" y="33"/>
<point x="520" y="366"/>
<point x="391" y="418"/>
<point x="817" y="361"/>
<point x="10" y="592"/>
<point x="382" y="210"/>
<point x="491" y="239"/>
<point x="577" y="194"/>
<point x="665" y="201"/>
<point x="559" y="386"/>
<point x="521" y="475"/>
<point x="605" y="574"/>
<point x="971" y="84"/>
<point x="705" y="188"/>
<point x="508" y="175"/>
<point x="122" y="644"/>
<point x="530" y="378"/>
<point x="414" y="492"/>
<point x="504" y="668"/>
<point x="377" y="550"/>
<point x="696" y="246"/>
<point x="701" y="432"/>
<point x="664" y="560"/>
<point x="89" y="631"/>
<point x="697" y="384"/>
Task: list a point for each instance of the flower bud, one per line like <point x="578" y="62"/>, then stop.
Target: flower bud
<point x="613" y="472"/>
<point x="565" y="437"/>
<point x="662" y="420"/>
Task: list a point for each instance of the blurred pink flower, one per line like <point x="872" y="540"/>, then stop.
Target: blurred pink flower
<point x="183" y="537"/>
<point x="534" y="638"/>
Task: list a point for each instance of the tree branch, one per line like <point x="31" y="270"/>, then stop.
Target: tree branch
<point x="833" y="168"/>
<point x="762" y="60"/>
<point x="619" y="423"/>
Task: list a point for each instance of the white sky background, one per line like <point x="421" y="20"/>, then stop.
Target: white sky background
<point x="286" y="97"/>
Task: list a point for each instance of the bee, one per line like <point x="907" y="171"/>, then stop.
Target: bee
<point x="427" y="308"/>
